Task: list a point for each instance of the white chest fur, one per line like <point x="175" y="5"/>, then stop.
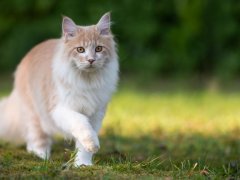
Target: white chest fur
<point x="84" y="100"/>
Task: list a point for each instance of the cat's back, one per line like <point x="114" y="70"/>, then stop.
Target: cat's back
<point x="38" y="59"/>
<point x="40" y="55"/>
<point x="35" y="69"/>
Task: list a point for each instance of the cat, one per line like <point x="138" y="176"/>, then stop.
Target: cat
<point x="63" y="85"/>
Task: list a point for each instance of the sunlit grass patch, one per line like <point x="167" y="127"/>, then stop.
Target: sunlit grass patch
<point x="137" y="113"/>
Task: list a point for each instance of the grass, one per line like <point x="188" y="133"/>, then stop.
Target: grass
<point x="149" y="132"/>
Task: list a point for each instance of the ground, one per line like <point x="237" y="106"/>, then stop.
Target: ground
<point x="152" y="130"/>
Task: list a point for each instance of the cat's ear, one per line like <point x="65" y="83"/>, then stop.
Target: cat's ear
<point x="104" y="24"/>
<point x="69" y="28"/>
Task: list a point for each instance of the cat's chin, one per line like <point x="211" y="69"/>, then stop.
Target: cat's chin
<point x="89" y="69"/>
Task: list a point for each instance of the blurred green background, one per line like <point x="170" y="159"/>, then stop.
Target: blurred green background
<point x="157" y="38"/>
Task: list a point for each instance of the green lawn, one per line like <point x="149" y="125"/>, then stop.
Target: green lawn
<point x="150" y="131"/>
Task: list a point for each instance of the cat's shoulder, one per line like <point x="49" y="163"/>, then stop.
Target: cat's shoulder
<point x="43" y="50"/>
<point x="47" y="45"/>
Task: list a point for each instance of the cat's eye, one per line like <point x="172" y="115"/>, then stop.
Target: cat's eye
<point x="80" y="50"/>
<point x="98" y="48"/>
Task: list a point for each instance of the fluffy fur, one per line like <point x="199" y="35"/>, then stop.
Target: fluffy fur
<point x="59" y="88"/>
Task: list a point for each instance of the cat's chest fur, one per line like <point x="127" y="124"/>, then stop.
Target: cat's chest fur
<point x="86" y="96"/>
<point x="86" y="101"/>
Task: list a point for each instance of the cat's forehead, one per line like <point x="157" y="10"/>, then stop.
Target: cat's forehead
<point x="88" y="33"/>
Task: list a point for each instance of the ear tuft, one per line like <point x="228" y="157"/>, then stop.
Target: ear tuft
<point x="104" y="24"/>
<point x="69" y="28"/>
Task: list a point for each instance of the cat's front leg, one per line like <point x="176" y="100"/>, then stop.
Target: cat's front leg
<point x="77" y="125"/>
<point x="83" y="157"/>
<point x="97" y="118"/>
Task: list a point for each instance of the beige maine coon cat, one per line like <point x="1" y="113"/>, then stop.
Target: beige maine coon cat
<point x="63" y="85"/>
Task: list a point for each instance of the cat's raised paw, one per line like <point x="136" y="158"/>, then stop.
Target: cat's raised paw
<point x="88" y="139"/>
<point x="92" y="148"/>
<point x="91" y="143"/>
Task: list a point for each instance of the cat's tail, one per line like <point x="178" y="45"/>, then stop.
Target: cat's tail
<point x="9" y="126"/>
<point x="2" y="118"/>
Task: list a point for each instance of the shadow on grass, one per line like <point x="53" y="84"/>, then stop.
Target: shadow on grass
<point x="149" y="154"/>
<point x="202" y="149"/>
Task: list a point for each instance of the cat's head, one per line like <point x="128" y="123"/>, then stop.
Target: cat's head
<point x="88" y="48"/>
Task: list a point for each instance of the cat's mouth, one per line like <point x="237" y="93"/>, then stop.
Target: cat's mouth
<point x="87" y="68"/>
<point x="90" y="66"/>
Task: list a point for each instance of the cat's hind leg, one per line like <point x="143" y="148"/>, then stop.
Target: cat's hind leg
<point x="38" y="142"/>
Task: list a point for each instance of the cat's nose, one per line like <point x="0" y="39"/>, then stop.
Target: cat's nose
<point x="91" y="61"/>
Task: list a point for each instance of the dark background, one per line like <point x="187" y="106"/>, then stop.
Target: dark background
<point x="157" y="38"/>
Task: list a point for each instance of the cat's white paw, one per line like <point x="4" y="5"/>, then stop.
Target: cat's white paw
<point x="43" y="153"/>
<point x="82" y="162"/>
<point x="90" y="145"/>
<point x="89" y="141"/>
